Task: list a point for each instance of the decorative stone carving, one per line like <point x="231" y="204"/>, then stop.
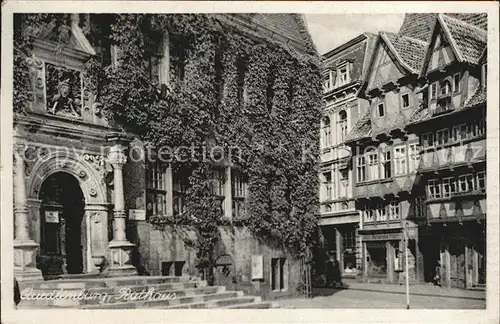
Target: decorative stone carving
<point x="96" y="218"/>
<point x="93" y="192"/>
<point x="64" y="90"/>
<point x="82" y="174"/>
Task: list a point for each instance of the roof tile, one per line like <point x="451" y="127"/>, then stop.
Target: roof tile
<point x="362" y="129"/>
<point x="411" y="50"/>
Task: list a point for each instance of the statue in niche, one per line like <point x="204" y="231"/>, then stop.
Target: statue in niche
<point x="63" y="90"/>
<point x="63" y="101"/>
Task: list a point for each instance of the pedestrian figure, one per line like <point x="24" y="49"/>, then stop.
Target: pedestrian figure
<point x="330" y="271"/>
<point x="17" y="293"/>
<point x="437" y="274"/>
<point x="337" y="277"/>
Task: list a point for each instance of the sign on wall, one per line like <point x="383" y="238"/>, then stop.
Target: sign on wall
<point x="51" y="216"/>
<point x="257" y="267"/>
<point x="137" y="214"/>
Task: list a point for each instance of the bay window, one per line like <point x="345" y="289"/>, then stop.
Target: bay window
<point x="465" y="183"/>
<point x="433" y="189"/>
<point x="360" y="169"/>
<point x="433" y="92"/>
<point x="442" y="136"/>
<point x="448" y="187"/>
<point x="414" y="158"/>
<point x="481" y="180"/>
<point x="428" y="139"/>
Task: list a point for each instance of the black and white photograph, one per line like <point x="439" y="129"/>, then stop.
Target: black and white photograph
<point x="269" y="158"/>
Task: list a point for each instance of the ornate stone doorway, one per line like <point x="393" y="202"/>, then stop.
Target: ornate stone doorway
<point x="62" y="225"/>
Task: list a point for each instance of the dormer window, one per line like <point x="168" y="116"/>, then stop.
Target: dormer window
<point x="456" y="82"/>
<point x="405" y="100"/>
<point x="433" y="92"/>
<point x="343" y="76"/>
<point x="445" y="88"/>
<point x="328" y="81"/>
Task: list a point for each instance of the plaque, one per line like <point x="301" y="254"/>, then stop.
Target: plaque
<point x="51" y="217"/>
<point x="257" y="267"/>
<point x="137" y="214"/>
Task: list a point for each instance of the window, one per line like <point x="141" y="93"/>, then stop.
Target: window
<point x="218" y="181"/>
<point x="442" y="136"/>
<point x="381" y="213"/>
<point x="327" y="132"/>
<point x="327" y="81"/>
<point x="327" y="185"/>
<point x="343" y="77"/>
<point x="445" y="88"/>
<point x="177" y="56"/>
<point x="465" y="183"/>
<point x="428" y="139"/>
<point x="400" y="160"/>
<point x="153" y="54"/>
<point x="386" y="164"/>
<point x="478" y="127"/>
<point x="380" y="110"/>
<point x="459" y="132"/>
<point x="449" y="187"/>
<point x="433" y="90"/>
<point x="279" y="275"/>
<point x="433" y="189"/>
<point x="360" y="169"/>
<point x="481" y="181"/>
<point x="368" y="215"/>
<point x="156" y="192"/>
<point x="372" y="166"/>
<point x="405" y="100"/>
<point x="394" y="211"/>
<point x="181" y="184"/>
<point x="456" y="82"/>
<point x="342" y="125"/>
<point x="344" y="183"/>
<point x="414" y="158"/>
<point x="238" y="193"/>
<point x="420" y="207"/>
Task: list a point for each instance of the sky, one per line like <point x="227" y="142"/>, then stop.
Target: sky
<point x="331" y="30"/>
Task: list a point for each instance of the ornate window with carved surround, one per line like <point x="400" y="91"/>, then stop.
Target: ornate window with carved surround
<point x="63" y="90"/>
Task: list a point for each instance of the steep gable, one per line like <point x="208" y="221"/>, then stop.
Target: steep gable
<point x="440" y="52"/>
<point x="384" y="66"/>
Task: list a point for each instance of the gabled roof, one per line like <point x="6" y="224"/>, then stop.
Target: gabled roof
<point x="468" y="41"/>
<point x="362" y="129"/>
<point x="478" y="98"/>
<point x="409" y="51"/>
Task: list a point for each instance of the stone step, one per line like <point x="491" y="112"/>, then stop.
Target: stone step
<point x="165" y="303"/>
<point x="103" y="282"/>
<point x="254" y="305"/>
<point x="223" y="302"/>
<point x="112" y="295"/>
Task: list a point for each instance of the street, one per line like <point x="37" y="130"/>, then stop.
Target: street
<point x="354" y="298"/>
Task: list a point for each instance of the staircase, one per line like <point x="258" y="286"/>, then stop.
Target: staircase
<point x="133" y="292"/>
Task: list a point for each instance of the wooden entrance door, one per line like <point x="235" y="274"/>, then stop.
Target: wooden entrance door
<point x="457" y="264"/>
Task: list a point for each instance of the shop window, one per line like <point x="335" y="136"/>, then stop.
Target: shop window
<point x="376" y="259"/>
<point x="279" y="274"/>
<point x="386" y="164"/>
<point x="400" y="160"/>
<point x="349" y="244"/>
<point x="360" y="169"/>
<point x="156" y="192"/>
<point x="456" y="82"/>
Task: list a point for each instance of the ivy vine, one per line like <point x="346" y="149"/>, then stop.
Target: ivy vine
<point x="274" y="122"/>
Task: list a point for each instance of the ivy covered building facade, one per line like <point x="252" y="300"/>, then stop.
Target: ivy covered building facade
<point x="418" y="155"/>
<point x="181" y="145"/>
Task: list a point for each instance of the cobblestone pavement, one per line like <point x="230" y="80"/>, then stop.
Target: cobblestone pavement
<point x="360" y="295"/>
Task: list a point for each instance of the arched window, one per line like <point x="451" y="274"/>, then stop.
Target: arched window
<point x="342" y="121"/>
<point x="326" y="132"/>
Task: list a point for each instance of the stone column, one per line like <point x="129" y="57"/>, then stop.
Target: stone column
<point x="24" y="247"/>
<point x="120" y="247"/>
